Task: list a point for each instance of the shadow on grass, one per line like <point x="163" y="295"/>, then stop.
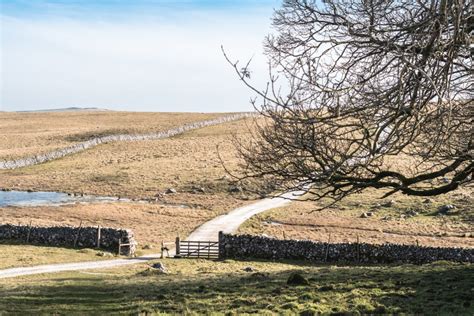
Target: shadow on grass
<point x="439" y="288"/>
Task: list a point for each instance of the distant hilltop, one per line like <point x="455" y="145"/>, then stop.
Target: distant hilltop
<point x="71" y="109"/>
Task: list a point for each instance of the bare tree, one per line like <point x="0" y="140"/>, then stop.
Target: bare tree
<point x="365" y="94"/>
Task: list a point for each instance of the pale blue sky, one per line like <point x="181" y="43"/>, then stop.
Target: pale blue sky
<point x="155" y="55"/>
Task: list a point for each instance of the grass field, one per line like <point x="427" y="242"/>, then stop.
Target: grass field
<point x="20" y="255"/>
<point x="138" y="170"/>
<point x="24" y="134"/>
<point x="400" y="219"/>
<point x="190" y="164"/>
<point x="197" y="286"/>
<point x="151" y="223"/>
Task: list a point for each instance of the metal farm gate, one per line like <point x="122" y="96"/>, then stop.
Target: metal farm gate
<point x="197" y="249"/>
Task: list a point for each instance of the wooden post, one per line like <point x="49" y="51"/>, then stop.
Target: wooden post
<point x="98" y="236"/>
<point x="28" y="234"/>
<point x="209" y="251"/>
<point x="120" y="246"/>
<point x="162" y="249"/>
<point x="177" y="247"/>
<point x="77" y="235"/>
<point x="220" y="244"/>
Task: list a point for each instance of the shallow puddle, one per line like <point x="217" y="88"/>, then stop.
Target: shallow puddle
<point x="24" y="198"/>
<point x="40" y="198"/>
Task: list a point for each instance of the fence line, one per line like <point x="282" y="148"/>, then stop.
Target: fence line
<point x="56" y="154"/>
<point x="80" y="236"/>
<point x="259" y="247"/>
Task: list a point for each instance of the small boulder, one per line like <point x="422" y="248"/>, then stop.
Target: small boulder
<point x="199" y="190"/>
<point x="147" y="247"/>
<point x="388" y="203"/>
<point x="249" y="269"/>
<point x="259" y="276"/>
<point x="445" y="209"/>
<point x="411" y="213"/>
<point x="365" y="215"/>
<point x="296" y="279"/>
<point x="160" y="267"/>
<point x="235" y="189"/>
<point x="171" y="191"/>
<point x="427" y="201"/>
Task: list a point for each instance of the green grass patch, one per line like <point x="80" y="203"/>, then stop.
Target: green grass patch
<point x="14" y="254"/>
<point x="439" y="288"/>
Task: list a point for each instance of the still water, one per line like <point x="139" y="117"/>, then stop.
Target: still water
<point x="23" y="198"/>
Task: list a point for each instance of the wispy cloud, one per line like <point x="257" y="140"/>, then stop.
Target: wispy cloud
<point x="164" y="58"/>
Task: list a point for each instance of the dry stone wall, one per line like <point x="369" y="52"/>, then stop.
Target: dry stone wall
<point x="67" y="236"/>
<point x="249" y="246"/>
<point x="42" y="158"/>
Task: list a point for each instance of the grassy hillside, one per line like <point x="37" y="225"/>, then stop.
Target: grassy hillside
<point x="30" y="133"/>
<point x="138" y="169"/>
<point x="401" y="219"/>
<point x="143" y="170"/>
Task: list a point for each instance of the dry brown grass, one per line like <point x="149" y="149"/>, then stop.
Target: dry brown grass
<point x="151" y="223"/>
<point x="343" y="222"/>
<point x="138" y="170"/>
<point x="25" y="134"/>
<point x="143" y="170"/>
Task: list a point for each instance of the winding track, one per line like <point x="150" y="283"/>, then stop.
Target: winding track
<point x="230" y="222"/>
<point x="59" y="153"/>
<point x="227" y="223"/>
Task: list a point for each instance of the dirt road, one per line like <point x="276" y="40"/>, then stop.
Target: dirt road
<point x="230" y="222"/>
<point x="227" y="223"/>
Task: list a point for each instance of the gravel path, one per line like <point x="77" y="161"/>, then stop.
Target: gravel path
<point x="230" y="222"/>
<point x="227" y="223"/>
